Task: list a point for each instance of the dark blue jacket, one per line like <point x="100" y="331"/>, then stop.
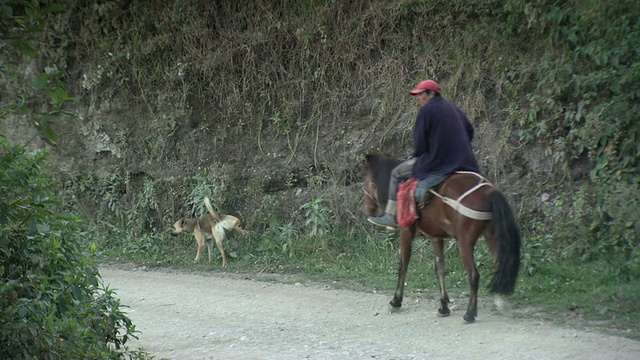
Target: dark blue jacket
<point x="442" y="140"/>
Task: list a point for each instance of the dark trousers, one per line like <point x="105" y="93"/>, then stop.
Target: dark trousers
<point x="399" y="173"/>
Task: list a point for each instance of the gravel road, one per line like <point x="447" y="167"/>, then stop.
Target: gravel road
<point x="225" y="316"/>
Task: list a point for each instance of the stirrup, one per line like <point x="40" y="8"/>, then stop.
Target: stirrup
<point x="385" y="225"/>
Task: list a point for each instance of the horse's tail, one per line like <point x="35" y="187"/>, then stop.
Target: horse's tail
<point x="508" y="236"/>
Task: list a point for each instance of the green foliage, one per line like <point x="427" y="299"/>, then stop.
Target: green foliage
<point x="207" y="183"/>
<point x="317" y="220"/>
<point x="570" y="69"/>
<point x="51" y="301"/>
<point x="583" y="98"/>
<point x="22" y="23"/>
<point x="277" y="240"/>
<point x="587" y="294"/>
<point x="129" y="225"/>
<point x="599" y="221"/>
<point x="130" y="215"/>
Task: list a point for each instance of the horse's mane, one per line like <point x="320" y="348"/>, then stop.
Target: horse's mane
<point x="380" y="166"/>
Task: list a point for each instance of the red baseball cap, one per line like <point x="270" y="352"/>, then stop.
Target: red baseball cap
<point x="424" y="86"/>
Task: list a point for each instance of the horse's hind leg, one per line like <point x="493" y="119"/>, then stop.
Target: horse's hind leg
<point x="492" y="244"/>
<point x="406" y="240"/>
<point x="438" y="249"/>
<point x="465" y="244"/>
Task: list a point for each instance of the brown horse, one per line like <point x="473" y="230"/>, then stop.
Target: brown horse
<point x="439" y="220"/>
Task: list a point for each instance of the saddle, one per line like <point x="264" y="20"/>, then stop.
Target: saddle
<point x="414" y="194"/>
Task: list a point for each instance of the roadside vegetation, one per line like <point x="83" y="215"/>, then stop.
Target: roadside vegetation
<point x="53" y="304"/>
<point x="560" y="81"/>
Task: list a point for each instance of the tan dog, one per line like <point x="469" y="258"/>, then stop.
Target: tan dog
<point x="207" y="228"/>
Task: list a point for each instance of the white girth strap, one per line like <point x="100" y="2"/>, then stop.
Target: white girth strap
<point x="457" y="203"/>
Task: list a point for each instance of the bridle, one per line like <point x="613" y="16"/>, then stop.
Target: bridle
<point x="367" y="194"/>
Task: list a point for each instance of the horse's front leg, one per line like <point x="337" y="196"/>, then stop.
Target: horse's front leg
<point x="438" y="249"/>
<point x="406" y="240"/>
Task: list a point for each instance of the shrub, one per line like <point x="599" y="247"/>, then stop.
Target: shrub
<point x="52" y="304"/>
<point x="600" y="220"/>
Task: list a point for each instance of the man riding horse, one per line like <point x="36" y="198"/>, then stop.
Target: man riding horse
<point x="442" y="140"/>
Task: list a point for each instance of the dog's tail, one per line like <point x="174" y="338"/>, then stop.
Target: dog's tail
<point x="213" y="213"/>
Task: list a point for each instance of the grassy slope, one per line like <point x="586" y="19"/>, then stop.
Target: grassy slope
<point x="297" y="67"/>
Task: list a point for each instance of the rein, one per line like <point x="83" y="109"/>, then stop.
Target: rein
<point x="374" y="198"/>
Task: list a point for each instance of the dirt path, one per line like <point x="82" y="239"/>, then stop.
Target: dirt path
<point x="215" y="316"/>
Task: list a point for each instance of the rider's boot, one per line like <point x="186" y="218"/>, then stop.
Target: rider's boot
<point x="387" y="220"/>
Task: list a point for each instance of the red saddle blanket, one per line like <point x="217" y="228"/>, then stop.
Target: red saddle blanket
<point x="407" y="212"/>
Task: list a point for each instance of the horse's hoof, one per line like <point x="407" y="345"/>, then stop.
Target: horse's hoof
<point x="469" y="319"/>
<point x="444" y="312"/>
<point x="500" y="303"/>
<point x="395" y="303"/>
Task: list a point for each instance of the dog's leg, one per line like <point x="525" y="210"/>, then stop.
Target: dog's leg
<point x="200" y="238"/>
<point x="218" y="235"/>
<point x="240" y="230"/>
<point x="209" y="248"/>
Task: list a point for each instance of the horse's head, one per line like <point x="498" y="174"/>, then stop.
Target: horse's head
<point x="370" y="203"/>
<point x="376" y="182"/>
